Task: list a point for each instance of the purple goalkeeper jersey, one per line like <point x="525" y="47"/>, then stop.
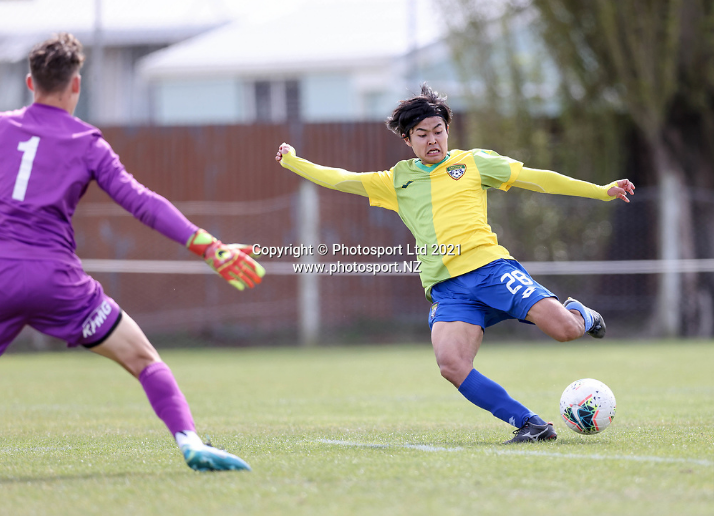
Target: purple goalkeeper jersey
<point x="47" y="159"/>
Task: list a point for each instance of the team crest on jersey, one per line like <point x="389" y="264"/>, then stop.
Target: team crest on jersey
<point x="456" y="171"/>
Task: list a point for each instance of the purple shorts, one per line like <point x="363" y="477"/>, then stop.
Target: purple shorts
<point x="55" y="298"/>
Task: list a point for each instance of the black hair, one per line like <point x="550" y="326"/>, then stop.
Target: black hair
<point x="54" y="62"/>
<point x="410" y="112"/>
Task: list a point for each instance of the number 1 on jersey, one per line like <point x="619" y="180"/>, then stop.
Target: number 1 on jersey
<point x="28" y="149"/>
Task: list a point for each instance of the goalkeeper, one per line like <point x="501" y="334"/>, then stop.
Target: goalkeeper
<point x="48" y="159"/>
<point x="441" y="197"/>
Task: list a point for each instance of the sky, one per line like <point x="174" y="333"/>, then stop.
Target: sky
<point x="23" y="22"/>
<point x="21" y="16"/>
<point x="317" y="33"/>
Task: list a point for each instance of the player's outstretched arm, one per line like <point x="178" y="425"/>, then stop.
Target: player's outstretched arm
<point x="333" y="178"/>
<point x="232" y="262"/>
<point x="547" y="181"/>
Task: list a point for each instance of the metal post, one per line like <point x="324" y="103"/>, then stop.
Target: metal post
<point x="95" y="93"/>
<point x="670" y="283"/>
<point x="308" y="284"/>
<point x="308" y="232"/>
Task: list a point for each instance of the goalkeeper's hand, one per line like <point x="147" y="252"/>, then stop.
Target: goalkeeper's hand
<point x="233" y="262"/>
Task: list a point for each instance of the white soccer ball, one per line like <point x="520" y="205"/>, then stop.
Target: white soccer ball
<point x="587" y="406"/>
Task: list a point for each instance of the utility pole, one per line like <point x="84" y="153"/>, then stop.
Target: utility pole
<point x="308" y="231"/>
<point x="97" y="67"/>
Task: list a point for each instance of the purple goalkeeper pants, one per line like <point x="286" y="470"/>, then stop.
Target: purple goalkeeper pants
<point x="55" y="298"/>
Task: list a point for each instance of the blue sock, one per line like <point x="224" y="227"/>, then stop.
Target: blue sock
<point x="488" y="395"/>
<point x="536" y="420"/>
<point x="587" y="317"/>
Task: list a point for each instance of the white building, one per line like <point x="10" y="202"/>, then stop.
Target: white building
<point x="319" y="60"/>
<point x="171" y="62"/>
<point x="115" y="34"/>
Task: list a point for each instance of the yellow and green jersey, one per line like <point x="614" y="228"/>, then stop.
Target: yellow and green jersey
<point x="445" y="208"/>
<point x="444" y="205"/>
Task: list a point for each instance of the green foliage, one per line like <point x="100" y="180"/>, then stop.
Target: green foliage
<point x="359" y="431"/>
<point x="652" y="60"/>
<point x="601" y="90"/>
<point x="523" y="104"/>
<point x="523" y="100"/>
<point x="597" y="68"/>
<point x="537" y="227"/>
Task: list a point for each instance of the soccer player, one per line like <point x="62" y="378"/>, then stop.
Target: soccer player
<point x="471" y="281"/>
<point x="47" y="159"/>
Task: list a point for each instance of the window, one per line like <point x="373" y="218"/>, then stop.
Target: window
<point x="263" y="102"/>
<point x="276" y="101"/>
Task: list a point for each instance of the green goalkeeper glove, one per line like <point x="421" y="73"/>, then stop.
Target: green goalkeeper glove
<point x="232" y="262"/>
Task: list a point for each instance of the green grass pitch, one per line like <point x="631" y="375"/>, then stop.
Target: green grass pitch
<point x="359" y="431"/>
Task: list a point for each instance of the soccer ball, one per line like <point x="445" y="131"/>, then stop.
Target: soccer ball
<point x="587" y="406"/>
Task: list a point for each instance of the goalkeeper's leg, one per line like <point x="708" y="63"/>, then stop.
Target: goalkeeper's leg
<point x="128" y="346"/>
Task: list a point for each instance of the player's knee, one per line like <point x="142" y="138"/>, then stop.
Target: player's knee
<point x="454" y="369"/>
<point x="562" y="325"/>
<point x="570" y="329"/>
<point x="447" y="371"/>
<point x="138" y="363"/>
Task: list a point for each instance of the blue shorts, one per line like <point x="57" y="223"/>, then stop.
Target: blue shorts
<point x="55" y="298"/>
<point x="490" y="294"/>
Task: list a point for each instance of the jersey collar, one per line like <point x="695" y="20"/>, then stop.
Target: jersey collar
<point x="430" y="168"/>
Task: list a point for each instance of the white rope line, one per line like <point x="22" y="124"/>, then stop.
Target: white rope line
<point x="534" y="268"/>
<point x="194" y="208"/>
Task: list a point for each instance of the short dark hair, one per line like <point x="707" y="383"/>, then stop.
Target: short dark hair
<point x="410" y="112"/>
<point x="54" y="62"/>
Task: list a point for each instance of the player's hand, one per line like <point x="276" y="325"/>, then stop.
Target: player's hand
<point x="283" y="150"/>
<point x="232" y="262"/>
<point x="624" y="187"/>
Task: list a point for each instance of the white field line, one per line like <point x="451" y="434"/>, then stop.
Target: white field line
<point x="429" y="448"/>
<point x="421" y="447"/>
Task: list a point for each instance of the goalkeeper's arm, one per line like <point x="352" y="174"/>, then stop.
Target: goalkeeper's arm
<point x="546" y="181"/>
<point x="232" y="262"/>
<point x="333" y="178"/>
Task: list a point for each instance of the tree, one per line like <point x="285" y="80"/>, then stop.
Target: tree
<point x="651" y="61"/>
